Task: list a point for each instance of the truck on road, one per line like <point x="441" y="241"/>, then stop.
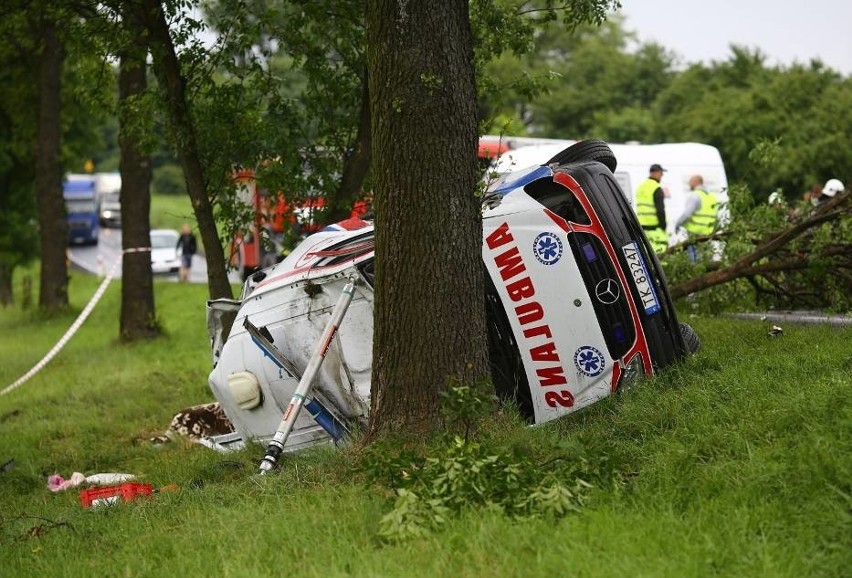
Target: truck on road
<point x="81" y="205"/>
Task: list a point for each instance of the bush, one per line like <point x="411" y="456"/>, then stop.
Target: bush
<point x="469" y="472"/>
<point x="168" y="180"/>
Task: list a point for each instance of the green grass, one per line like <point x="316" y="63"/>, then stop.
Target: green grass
<point x="171" y="211"/>
<point x="736" y="463"/>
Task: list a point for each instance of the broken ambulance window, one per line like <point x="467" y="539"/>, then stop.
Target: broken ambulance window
<point x="558" y="199"/>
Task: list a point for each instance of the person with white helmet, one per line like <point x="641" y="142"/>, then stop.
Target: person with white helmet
<point x="830" y="190"/>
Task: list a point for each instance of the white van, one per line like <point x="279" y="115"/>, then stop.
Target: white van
<point x="681" y="161"/>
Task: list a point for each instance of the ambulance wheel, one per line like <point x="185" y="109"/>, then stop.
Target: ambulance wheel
<point x="587" y="150"/>
<point x="690" y="338"/>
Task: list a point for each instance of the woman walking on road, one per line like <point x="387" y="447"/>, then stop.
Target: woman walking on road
<point x="186" y="246"/>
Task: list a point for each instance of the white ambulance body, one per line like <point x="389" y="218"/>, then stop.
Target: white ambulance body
<point x="576" y="307"/>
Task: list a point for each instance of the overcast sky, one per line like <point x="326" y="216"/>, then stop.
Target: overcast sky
<point x="786" y="31"/>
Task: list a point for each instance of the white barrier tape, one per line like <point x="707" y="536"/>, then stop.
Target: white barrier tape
<point x="68" y="334"/>
<point x="137" y="250"/>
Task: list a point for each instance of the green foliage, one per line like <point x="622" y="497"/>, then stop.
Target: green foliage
<point x="18" y="229"/>
<point x="302" y="68"/>
<point x="766" y="153"/>
<point x="810" y="271"/>
<point x="88" y="122"/>
<point x="89" y="99"/>
<point x="284" y="81"/>
<point x="168" y="180"/>
<point x="19" y="54"/>
<point x="608" y="83"/>
<point x="600" y="79"/>
<point x="464" y="406"/>
<point x="305" y="70"/>
<point x="740" y="104"/>
<point x="580" y="82"/>
<point x="464" y="474"/>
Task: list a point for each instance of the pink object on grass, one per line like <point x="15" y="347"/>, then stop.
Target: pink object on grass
<point x="57" y="483"/>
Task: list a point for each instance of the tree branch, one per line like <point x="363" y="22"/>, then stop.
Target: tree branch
<point x="746" y="266"/>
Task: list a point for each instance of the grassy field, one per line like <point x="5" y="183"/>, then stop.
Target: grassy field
<point x="171" y="211"/>
<point x="737" y="463"/>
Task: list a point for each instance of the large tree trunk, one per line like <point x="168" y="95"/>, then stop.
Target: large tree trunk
<point x="53" y="226"/>
<point x="429" y="298"/>
<point x="138" y="315"/>
<point x="168" y="72"/>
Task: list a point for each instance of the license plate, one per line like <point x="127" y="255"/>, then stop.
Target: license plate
<point x="641" y="278"/>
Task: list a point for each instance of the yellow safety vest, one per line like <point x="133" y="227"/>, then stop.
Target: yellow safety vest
<point x="645" y="208"/>
<point x="703" y="221"/>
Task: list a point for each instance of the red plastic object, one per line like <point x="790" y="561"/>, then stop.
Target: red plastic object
<point x="111" y="494"/>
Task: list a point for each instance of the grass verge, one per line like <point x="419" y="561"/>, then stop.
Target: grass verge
<point x="736" y="463"/>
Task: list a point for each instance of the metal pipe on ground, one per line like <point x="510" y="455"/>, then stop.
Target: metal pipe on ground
<point x="797" y="317"/>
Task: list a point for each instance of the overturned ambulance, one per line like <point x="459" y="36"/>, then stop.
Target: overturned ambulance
<point x="577" y="307"/>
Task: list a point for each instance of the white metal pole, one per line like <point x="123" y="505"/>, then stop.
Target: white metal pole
<point x="276" y="445"/>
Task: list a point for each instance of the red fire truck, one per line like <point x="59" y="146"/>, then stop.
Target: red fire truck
<point x="490" y="148"/>
<point x="276" y="225"/>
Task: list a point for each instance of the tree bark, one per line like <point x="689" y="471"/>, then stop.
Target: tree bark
<point x="168" y="72"/>
<point x="138" y="313"/>
<point x="429" y="294"/>
<point x="53" y="225"/>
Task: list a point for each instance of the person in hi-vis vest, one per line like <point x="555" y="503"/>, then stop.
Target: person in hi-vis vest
<point x="651" y="209"/>
<point x="699" y="214"/>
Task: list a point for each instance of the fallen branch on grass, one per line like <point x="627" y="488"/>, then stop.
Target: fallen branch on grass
<point x="769" y="255"/>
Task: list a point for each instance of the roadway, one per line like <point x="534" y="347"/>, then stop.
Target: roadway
<point x="98" y="259"/>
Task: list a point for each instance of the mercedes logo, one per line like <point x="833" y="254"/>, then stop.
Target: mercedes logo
<point x="607" y="291"/>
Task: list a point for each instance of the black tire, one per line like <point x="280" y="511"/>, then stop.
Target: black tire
<point x="587" y="150"/>
<point x="690" y="338"/>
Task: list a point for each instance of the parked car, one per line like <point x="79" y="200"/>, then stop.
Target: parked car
<point x="577" y="307"/>
<point x="164" y="255"/>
